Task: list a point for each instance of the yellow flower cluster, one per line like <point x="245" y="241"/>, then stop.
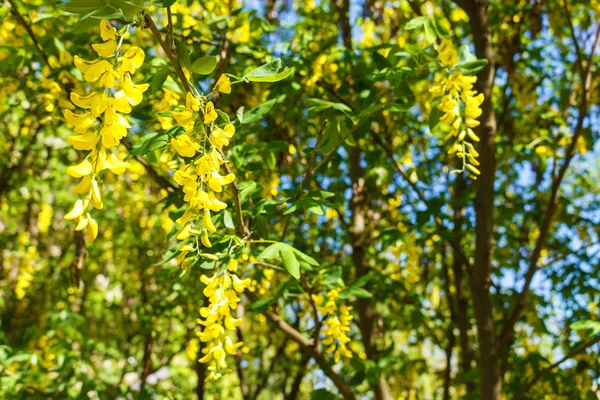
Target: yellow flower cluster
<point x="222" y="292"/>
<point x="461" y="107"/>
<point x="26" y="271"/>
<point x="335" y="327"/>
<point x="200" y="147"/>
<point x="201" y="143"/>
<point x="113" y="95"/>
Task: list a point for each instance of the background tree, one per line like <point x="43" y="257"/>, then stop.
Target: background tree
<point x="374" y="270"/>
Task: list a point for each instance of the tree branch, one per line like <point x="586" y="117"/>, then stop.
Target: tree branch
<point x="30" y="33"/>
<point x="556" y="184"/>
<point x="309" y="347"/>
<point x="168" y="51"/>
<point x="582" y="347"/>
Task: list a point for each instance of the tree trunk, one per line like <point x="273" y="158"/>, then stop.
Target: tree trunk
<point x="462" y="302"/>
<point x="360" y="238"/>
<point x="490" y="383"/>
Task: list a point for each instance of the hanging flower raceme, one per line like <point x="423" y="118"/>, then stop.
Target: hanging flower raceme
<point x="200" y="145"/>
<point x="336" y="324"/>
<point x="222" y="292"/>
<point x="101" y="125"/>
<point x="461" y="107"/>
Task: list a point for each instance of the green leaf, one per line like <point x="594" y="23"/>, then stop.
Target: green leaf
<point x="270" y="252"/>
<point x="306" y="258"/>
<point x="415" y="23"/>
<point x="471" y="67"/>
<point x="585" y="325"/>
<point x="131" y="8"/>
<point x="204" y="65"/>
<point x="86" y="23"/>
<point x="154" y="141"/>
<point x="430" y="31"/>
<point x="290" y="262"/>
<point x="464" y="54"/>
<point x="266" y="70"/>
<point x="165" y="3"/>
<point x="227" y="220"/>
<point x="223" y="116"/>
<point x="257" y="113"/>
<point x="355" y="291"/>
<point x="261" y="305"/>
<point x="273" y="78"/>
<point x="320" y="105"/>
<point x="183" y="54"/>
<point x="82" y="6"/>
<point x="158" y="80"/>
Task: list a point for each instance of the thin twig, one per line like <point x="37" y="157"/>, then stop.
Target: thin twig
<point x="171" y="37"/>
<point x="20" y="18"/>
<point x="172" y="56"/>
<point x="455" y="246"/>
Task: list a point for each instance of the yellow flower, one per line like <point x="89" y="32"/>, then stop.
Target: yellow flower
<point x="115" y="165"/>
<point x="80" y="122"/>
<point x="217" y="181"/>
<point x="191" y="102"/>
<point x="107" y="31"/>
<point x="92" y="230"/>
<point x="133" y="93"/>
<point x="223" y="85"/>
<point x="105" y="49"/>
<point x="208" y="224"/>
<point x="132" y="60"/>
<point x="446" y="53"/>
<point x="81" y="169"/>
<point x="335" y="327"/>
<point x="220" y="137"/>
<point x="185" y="146"/>
<point x="210" y="114"/>
<point x="85" y="141"/>
<point x="76" y="211"/>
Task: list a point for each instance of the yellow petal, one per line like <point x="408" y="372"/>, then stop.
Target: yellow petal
<point x="97" y="69"/>
<point x="80" y="122"/>
<point x="107" y="31"/>
<point x="92" y="230"/>
<point x="83" y="101"/>
<point x="105" y="49"/>
<point x="87" y="141"/>
<point x="82" y="169"/>
<point x="96" y="191"/>
<point x="208" y="224"/>
<point x="184" y="233"/>
<point x="223" y="84"/>
<point x="76" y="211"/>
<point x="205" y="241"/>
<point x="83" y="222"/>
<point x="84" y="185"/>
<point x="115" y="165"/>
<point x="133" y="93"/>
<point x="132" y="60"/>
<point x="210" y="114"/>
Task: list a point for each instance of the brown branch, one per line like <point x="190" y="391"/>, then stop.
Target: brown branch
<point x="171" y="37"/>
<point x="582" y="347"/>
<point x="158" y="178"/>
<point x="172" y="56"/>
<point x="308" y="346"/>
<point x="551" y="209"/>
<point x="30" y="33"/>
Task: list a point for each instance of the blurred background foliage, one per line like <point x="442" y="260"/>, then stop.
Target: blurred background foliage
<point x="379" y="211"/>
